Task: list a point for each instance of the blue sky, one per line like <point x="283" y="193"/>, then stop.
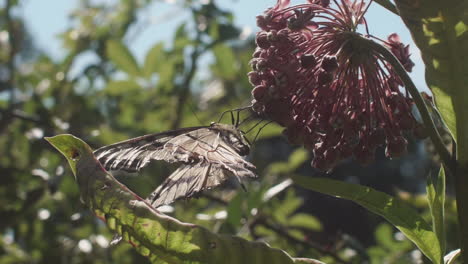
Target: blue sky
<point x="47" y="18"/>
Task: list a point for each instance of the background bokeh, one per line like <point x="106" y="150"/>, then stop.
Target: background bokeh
<point x="110" y="70"/>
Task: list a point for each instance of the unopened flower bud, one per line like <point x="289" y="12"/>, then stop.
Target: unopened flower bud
<point x="329" y="63"/>
<point x="308" y="61"/>
<point x="396" y="146"/>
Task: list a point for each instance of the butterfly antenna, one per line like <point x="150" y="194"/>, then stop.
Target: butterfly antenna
<point x="222" y="115"/>
<point x="192" y="109"/>
<point x="260" y="129"/>
<point x="250" y="129"/>
<point x="231" y="111"/>
<point x="239" y="123"/>
<point x="233" y="120"/>
<point x="245" y="120"/>
<point x="238" y="118"/>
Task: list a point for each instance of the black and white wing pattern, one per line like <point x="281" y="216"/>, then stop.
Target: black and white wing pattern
<point x="133" y="154"/>
<point x="218" y="144"/>
<point x="208" y="156"/>
<point x="187" y="181"/>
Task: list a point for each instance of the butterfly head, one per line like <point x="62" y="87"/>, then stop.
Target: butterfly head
<point x="233" y="137"/>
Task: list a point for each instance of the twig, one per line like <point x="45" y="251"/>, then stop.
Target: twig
<point x="183" y="96"/>
<point x="215" y="199"/>
<point x="282" y="231"/>
<point x="6" y="117"/>
<point x="10" y="84"/>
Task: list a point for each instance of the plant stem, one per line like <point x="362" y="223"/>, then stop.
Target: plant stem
<point x="461" y="195"/>
<point x="451" y="162"/>
<point x="282" y="231"/>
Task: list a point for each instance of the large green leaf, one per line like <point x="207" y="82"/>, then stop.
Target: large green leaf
<point x="436" y="198"/>
<point x="121" y="56"/>
<point x="405" y="218"/>
<point x="121" y="87"/>
<point x="226" y="63"/>
<point x="440" y="30"/>
<point x="161" y="238"/>
<point x="181" y="38"/>
<point x="154" y="59"/>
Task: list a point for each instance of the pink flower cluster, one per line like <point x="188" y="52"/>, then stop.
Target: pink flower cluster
<point x="334" y="96"/>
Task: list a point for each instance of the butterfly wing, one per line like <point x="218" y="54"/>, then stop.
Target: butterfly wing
<point x="187" y="181"/>
<point x="133" y="154"/>
<point x="209" y="155"/>
<point x="212" y="144"/>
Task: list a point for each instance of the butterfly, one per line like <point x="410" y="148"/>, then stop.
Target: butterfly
<point x="209" y="155"/>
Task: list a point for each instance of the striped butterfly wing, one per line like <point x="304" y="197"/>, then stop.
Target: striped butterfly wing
<point x="209" y="155"/>
<point x="220" y="144"/>
<point x="133" y="154"/>
<point x="187" y="181"/>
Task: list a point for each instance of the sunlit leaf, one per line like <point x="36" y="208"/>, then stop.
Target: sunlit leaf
<point x="296" y="159"/>
<point x="385" y="236"/>
<point x="403" y="217"/>
<point x="306" y="221"/>
<point x="121" y="56"/>
<point x="287" y="206"/>
<point x="436" y="198"/>
<point x="234" y="210"/>
<point x="440" y="31"/>
<point x="181" y="38"/>
<point x="226" y="64"/>
<point x="388" y="248"/>
<point x="154" y="60"/>
<point x="121" y="87"/>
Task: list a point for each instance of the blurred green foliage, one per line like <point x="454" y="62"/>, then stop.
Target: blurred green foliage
<point x="116" y="97"/>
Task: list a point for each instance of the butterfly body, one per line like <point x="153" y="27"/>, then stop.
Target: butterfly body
<point x="209" y="155"/>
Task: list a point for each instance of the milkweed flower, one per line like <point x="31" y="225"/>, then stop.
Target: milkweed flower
<point x="333" y="95"/>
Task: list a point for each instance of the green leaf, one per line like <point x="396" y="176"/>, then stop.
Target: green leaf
<point x="297" y="158"/>
<point x="154" y="59"/>
<point x="306" y="221"/>
<point x="290" y="204"/>
<point x="181" y="39"/>
<point x="226" y="64"/>
<point x="121" y="56"/>
<point x="254" y="199"/>
<point x="234" y="210"/>
<point x="403" y="217"/>
<point x="162" y="239"/>
<point x="436" y="198"/>
<point x="384" y="236"/>
<point x="121" y="87"/>
<point x="440" y="31"/>
<point x="166" y="74"/>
